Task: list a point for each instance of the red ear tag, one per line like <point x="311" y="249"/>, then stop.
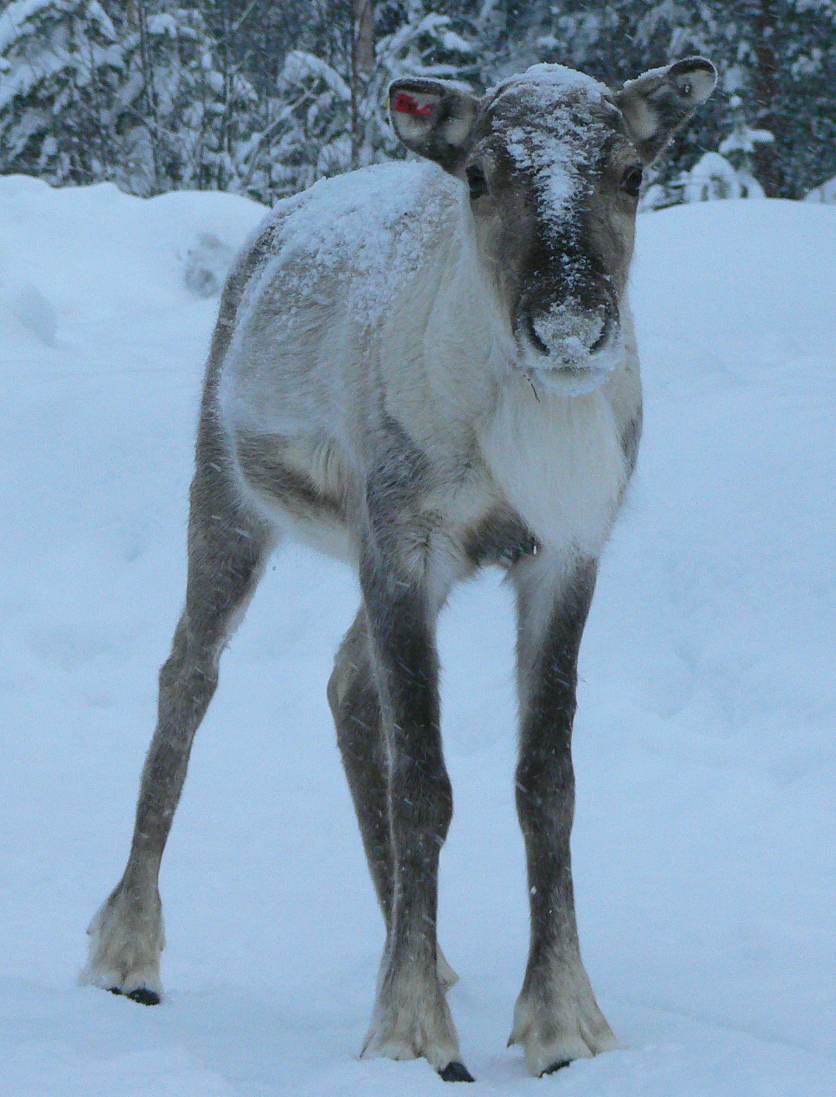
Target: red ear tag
<point x="405" y="104"/>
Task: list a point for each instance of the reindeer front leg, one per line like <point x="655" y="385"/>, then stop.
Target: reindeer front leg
<point x="556" y="1018"/>
<point x="411" y="1017"/>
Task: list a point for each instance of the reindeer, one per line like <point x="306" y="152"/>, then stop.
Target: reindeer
<point x="426" y="371"/>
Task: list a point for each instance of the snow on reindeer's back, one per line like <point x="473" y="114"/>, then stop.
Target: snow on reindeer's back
<point x="369" y="229"/>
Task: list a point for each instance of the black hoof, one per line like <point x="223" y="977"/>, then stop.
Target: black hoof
<point x="456" y="1072"/>
<point x="555" y="1067"/>
<point x="145" y="997"/>
<point x="142" y="995"/>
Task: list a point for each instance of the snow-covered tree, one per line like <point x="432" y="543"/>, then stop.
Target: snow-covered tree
<point x="313" y="130"/>
<point x="264" y="98"/>
<point x="712" y="177"/>
<point x="61" y="67"/>
<point x="183" y="108"/>
<point x="312" y="134"/>
<point x="740" y="147"/>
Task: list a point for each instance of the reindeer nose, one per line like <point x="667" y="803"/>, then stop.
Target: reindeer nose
<point x="604" y="338"/>
<point x="570" y="332"/>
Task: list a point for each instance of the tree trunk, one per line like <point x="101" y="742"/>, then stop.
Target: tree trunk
<point x="362" y="66"/>
<point x="767" y="157"/>
<point x="149" y="93"/>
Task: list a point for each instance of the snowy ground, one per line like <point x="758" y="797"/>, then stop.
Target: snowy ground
<point x="704" y="852"/>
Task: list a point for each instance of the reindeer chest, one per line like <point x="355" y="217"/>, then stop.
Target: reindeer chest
<point x="558" y="464"/>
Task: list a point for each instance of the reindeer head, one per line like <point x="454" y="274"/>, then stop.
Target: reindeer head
<point x="553" y="162"/>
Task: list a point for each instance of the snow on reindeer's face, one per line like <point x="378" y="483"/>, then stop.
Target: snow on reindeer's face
<point x="553" y="162"/>
<point x="554" y="184"/>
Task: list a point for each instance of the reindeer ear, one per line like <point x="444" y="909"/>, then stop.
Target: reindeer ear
<point x="433" y="118"/>
<point x="657" y="103"/>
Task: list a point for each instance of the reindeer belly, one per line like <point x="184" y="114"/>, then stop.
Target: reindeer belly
<point x="299" y="487"/>
<point x="558" y="463"/>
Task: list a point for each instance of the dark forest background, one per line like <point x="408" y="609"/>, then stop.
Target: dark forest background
<point x="262" y="97"/>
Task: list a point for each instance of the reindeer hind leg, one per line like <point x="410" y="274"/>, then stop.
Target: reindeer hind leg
<point x="353" y="696"/>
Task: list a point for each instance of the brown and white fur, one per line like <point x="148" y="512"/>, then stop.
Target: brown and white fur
<point x="426" y="371"/>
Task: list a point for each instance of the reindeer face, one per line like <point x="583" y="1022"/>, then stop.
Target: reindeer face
<point x="554" y="186"/>
<point x="553" y="163"/>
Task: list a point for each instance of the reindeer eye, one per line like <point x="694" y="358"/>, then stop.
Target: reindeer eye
<point x="631" y="181"/>
<point x="476" y="181"/>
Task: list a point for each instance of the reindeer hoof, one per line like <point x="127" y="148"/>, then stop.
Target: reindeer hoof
<point x="142" y="995"/>
<point x="456" y="1072"/>
<point x="555" y="1067"/>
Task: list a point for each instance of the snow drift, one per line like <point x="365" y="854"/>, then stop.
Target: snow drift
<point x="702" y="848"/>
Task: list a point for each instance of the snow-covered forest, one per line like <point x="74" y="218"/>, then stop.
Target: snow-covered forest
<point x="262" y="98"/>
